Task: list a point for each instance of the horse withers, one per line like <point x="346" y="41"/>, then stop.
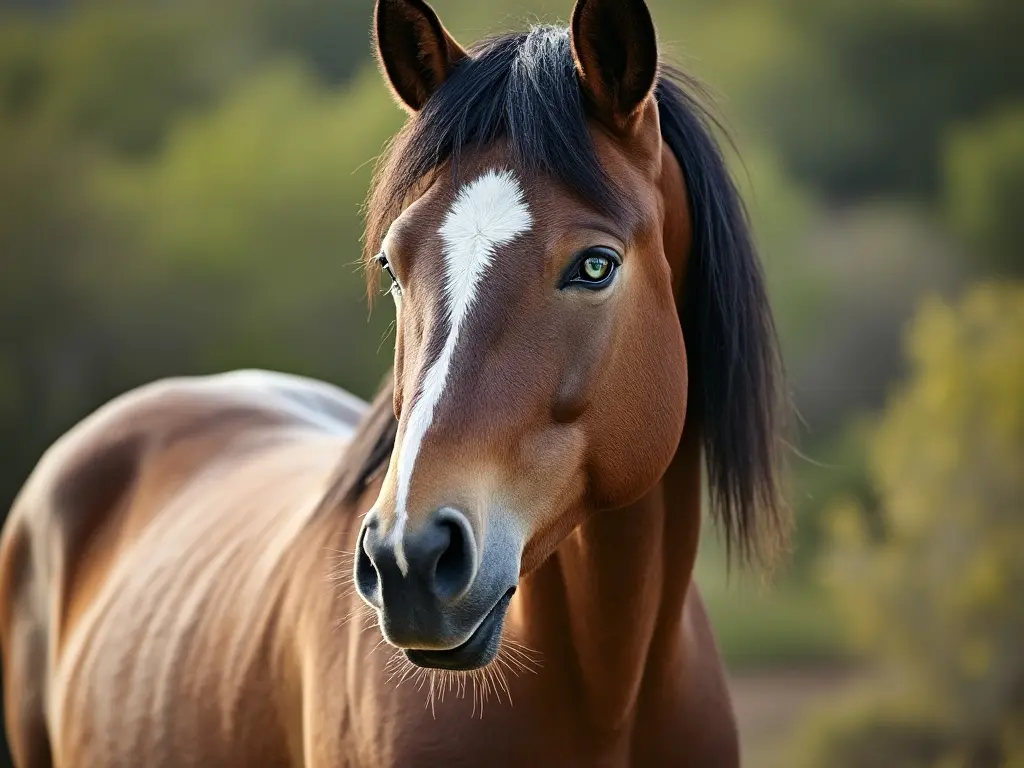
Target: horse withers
<point x="492" y="563"/>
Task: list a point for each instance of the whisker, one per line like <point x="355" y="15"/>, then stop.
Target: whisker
<point x="518" y="662"/>
<point x="503" y="661"/>
<point x="361" y="611"/>
<point x="419" y="678"/>
<point x="502" y="681"/>
<point x="522" y="647"/>
<point x="409" y="667"/>
<point x="430" y="699"/>
<point x="401" y="667"/>
<point x="394" y="662"/>
<point x="491" y="683"/>
<point x="475" y="689"/>
<point x="339" y="553"/>
<point x="526" y="656"/>
<point x="378" y="645"/>
<point x="371" y="625"/>
<point x="513" y="659"/>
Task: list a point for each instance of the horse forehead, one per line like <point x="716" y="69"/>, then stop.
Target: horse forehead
<point x="490" y="205"/>
<point x="487" y="212"/>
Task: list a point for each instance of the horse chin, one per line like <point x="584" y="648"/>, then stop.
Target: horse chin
<point x="479" y="650"/>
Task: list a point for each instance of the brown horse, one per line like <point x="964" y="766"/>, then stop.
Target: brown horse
<point x="582" y="326"/>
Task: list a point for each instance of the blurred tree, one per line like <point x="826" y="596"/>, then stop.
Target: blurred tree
<point x="332" y="37"/>
<point x="120" y="76"/>
<point x="50" y="231"/>
<point x="985" y="190"/>
<point x="24" y="68"/>
<point x="939" y="593"/>
<point x="246" y="236"/>
<point x="868" y="733"/>
<point x="117" y="75"/>
<point x="237" y="246"/>
<point x="868" y="110"/>
<point x="32" y="5"/>
<point x="115" y="78"/>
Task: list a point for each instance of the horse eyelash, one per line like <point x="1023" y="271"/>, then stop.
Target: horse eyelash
<point x="382" y="259"/>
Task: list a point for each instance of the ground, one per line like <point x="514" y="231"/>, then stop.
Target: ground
<point x="770" y="706"/>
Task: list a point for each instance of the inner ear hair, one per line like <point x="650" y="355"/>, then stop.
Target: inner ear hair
<point x="615" y="49"/>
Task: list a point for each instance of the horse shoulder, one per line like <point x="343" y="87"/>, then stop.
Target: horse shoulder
<point x="94" y="490"/>
<point x="77" y="507"/>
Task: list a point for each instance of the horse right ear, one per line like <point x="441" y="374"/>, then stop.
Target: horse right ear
<point x="415" y="51"/>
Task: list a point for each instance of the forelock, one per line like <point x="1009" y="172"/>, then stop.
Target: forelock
<point x="521" y="89"/>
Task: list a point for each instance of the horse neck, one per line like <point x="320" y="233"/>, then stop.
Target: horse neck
<point x="609" y="603"/>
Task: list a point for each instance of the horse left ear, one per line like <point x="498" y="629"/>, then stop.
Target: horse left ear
<point x="414" y="49"/>
<point x="615" y="48"/>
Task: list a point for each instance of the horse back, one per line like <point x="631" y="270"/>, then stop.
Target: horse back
<point x="98" y="487"/>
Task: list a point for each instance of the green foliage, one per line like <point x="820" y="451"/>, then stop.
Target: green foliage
<point x="50" y="233"/>
<point x="985" y="190"/>
<point x="118" y="77"/>
<point x="869" y="730"/>
<point x="247" y="231"/>
<point x="790" y="623"/>
<point x="937" y="592"/>
<point x="115" y="78"/>
<point x="868" y="112"/>
<point x="838" y="467"/>
<point x="237" y="245"/>
<point x="24" y="68"/>
<point x="868" y="734"/>
<point x="780" y="213"/>
<point x="331" y="37"/>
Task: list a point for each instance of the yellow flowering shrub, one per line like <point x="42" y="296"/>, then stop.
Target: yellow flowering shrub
<point x="940" y="592"/>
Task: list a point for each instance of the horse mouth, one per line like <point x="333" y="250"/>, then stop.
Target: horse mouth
<point x="478" y="651"/>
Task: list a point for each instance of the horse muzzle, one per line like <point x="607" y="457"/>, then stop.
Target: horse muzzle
<point x="436" y="597"/>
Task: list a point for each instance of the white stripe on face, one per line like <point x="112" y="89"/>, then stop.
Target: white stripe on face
<point x="487" y="213"/>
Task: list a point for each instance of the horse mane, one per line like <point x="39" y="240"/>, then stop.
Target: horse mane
<point x="522" y="88"/>
<point x="736" y="374"/>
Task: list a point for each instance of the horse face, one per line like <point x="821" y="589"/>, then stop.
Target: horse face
<point x="540" y="377"/>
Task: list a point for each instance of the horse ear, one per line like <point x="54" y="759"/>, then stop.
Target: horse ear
<point x="414" y="49"/>
<point x="615" y="49"/>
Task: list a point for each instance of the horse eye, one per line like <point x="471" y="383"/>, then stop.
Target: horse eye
<point x="382" y="259"/>
<point x="596" y="267"/>
<point x="593" y="269"/>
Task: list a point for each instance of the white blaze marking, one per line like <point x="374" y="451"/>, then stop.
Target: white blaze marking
<point x="488" y="212"/>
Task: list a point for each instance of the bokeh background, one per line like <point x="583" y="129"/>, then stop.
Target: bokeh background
<point x="180" y="193"/>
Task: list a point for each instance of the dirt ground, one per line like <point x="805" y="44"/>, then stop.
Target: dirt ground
<point x="771" y="705"/>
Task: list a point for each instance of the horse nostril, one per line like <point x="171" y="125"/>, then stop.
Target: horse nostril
<point x="455" y="565"/>
<point x="441" y="555"/>
<point x="440" y="561"/>
<point x="367" y="581"/>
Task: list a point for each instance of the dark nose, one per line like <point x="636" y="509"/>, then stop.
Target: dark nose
<point x="440" y="555"/>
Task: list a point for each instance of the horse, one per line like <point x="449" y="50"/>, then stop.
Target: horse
<point x="492" y="562"/>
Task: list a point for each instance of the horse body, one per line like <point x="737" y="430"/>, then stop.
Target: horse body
<point x="182" y="621"/>
<point x="189" y="576"/>
<point x="149" y="558"/>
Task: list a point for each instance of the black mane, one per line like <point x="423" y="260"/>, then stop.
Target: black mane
<point x="523" y="89"/>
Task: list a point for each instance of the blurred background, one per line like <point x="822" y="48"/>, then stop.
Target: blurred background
<point x="180" y="193"/>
